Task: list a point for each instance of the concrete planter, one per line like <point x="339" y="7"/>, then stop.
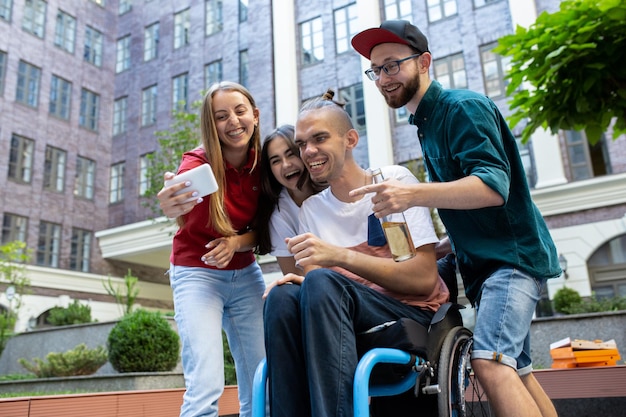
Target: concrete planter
<point x="38" y="343"/>
<point x="603" y="326"/>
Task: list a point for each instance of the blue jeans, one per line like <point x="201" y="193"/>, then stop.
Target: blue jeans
<point x="206" y="300"/>
<point x="310" y="341"/>
<point x="504" y="311"/>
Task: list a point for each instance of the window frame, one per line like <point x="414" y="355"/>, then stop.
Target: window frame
<point x="451" y="73"/>
<point x="213" y="73"/>
<point x="120" y="109"/>
<point x="14" y="228"/>
<point x="116" y="182"/>
<point x="180" y="93"/>
<point x="28" y="84"/>
<point x="48" y="244"/>
<point x="149" y="96"/>
<point x="34" y="18"/>
<point x="213" y="17"/>
<point x="443" y="9"/>
<point x="151" y="42"/>
<point x="182" y="27"/>
<point x="94" y="42"/>
<point x="60" y="103"/>
<point x="311" y="41"/>
<point x="85" y="178"/>
<point x="80" y="250"/>
<point x="501" y="64"/>
<point x="21" y="158"/>
<point x="65" y="32"/>
<point x="354" y="100"/>
<point x="89" y="110"/>
<point x="55" y="164"/>
<point x="397" y="10"/>
<point x="346" y="27"/>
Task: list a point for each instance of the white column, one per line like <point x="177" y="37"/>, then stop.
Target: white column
<point x="285" y="62"/>
<point x="379" y="144"/>
<point x="546" y="149"/>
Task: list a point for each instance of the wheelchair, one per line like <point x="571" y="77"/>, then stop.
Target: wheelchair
<point x="405" y="355"/>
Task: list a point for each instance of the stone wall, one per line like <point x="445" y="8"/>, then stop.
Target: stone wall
<point x="38" y="343"/>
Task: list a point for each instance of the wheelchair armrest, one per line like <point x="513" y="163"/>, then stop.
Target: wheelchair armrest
<point x="447" y="317"/>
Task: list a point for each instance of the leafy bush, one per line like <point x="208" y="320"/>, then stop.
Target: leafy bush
<point x="568" y="301"/>
<point x="75" y="313"/>
<point x="77" y="361"/>
<point x="565" y="299"/>
<point x="143" y="341"/>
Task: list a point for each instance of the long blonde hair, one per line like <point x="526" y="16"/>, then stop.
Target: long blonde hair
<point x="218" y="217"/>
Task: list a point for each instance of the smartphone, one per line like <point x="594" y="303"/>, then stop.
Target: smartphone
<point x="202" y="181"/>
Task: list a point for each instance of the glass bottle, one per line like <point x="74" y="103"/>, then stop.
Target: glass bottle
<point x="396" y="230"/>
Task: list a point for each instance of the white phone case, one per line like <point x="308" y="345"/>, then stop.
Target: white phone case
<point x="202" y="181"/>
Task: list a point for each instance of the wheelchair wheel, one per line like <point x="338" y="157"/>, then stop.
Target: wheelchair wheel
<point x="460" y="395"/>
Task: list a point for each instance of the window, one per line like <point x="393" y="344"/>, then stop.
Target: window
<point x="21" y="159"/>
<point x="124" y="6"/>
<point x="3" y="70"/>
<point x="494" y="67"/>
<point x="244" y="68"/>
<point x="85" y="178"/>
<point x="89" y="109"/>
<point x="398" y="9"/>
<point x="181" y="29"/>
<point x="526" y="154"/>
<point x="122" y="54"/>
<point x="312" y="40"/>
<point x="80" y="250"/>
<point x="116" y="193"/>
<point x="438" y="9"/>
<point x="27" y="91"/>
<point x="151" y="42"/>
<point x="144" y="180"/>
<point x="586" y="160"/>
<point x="481" y="3"/>
<point x="243" y="11"/>
<point x="93" y="46"/>
<point x="65" y="31"/>
<point x="353" y="97"/>
<point x="179" y="93"/>
<point x="5" y="9"/>
<point x="54" y="169"/>
<point x="119" y="115"/>
<point x="212" y="73"/>
<point x="14" y="228"/>
<point x="450" y="71"/>
<point x="345" y="27"/>
<point x="98" y="2"/>
<point x="607" y="269"/>
<point x="402" y="115"/>
<point x="148" y="105"/>
<point x="213" y="15"/>
<point x="49" y="244"/>
<point x="60" y="95"/>
<point x="34" y="17"/>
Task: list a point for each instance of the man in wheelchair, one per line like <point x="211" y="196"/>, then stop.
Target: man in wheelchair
<point x="350" y="285"/>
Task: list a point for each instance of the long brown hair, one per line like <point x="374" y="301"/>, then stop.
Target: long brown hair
<point x="218" y="217"/>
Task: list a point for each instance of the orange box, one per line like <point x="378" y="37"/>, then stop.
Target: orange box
<point x="568" y="357"/>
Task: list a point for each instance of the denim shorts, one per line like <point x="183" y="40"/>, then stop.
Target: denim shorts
<point x="504" y="312"/>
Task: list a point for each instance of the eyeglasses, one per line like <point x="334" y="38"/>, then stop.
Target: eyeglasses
<point x="390" y="68"/>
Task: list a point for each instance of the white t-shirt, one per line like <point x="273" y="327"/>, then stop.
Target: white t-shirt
<point x="346" y="225"/>
<point x="283" y="223"/>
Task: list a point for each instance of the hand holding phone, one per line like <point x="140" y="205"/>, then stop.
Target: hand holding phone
<point x="201" y="178"/>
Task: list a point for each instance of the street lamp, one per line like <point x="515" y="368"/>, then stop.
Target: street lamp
<point x="563" y="265"/>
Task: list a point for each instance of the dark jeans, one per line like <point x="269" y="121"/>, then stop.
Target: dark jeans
<point x="310" y="341"/>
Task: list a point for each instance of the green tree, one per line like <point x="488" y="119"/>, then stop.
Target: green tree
<point x="573" y="59"/>
<point x="13" y="259"/>
<point x="183" y="135"/>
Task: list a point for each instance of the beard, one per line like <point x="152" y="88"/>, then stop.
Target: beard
<point x="407" y="91"/>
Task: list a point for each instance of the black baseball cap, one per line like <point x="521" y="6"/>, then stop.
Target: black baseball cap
<point x="390" y="31"/>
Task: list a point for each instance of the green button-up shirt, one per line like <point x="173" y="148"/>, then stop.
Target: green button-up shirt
<point x="463" y="133"/>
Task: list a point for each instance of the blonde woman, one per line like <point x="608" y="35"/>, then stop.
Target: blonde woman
<point x="215" y="279"/>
